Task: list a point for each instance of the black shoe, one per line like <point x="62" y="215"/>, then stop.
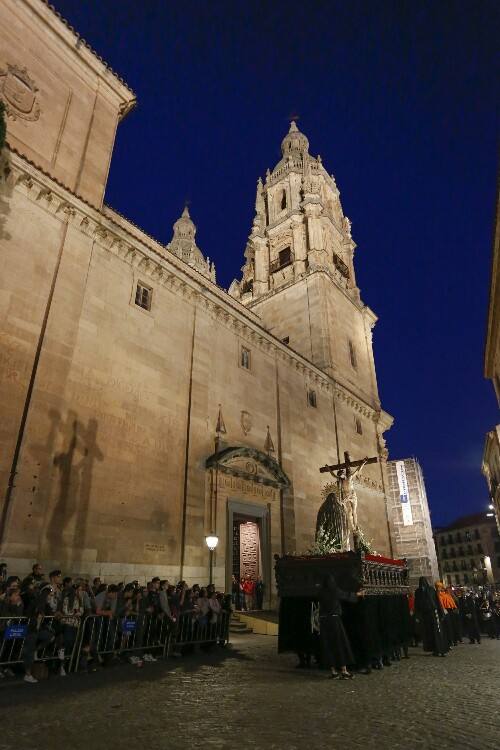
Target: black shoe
<point x="334" y="676"/>
<point x="346" y="676"/>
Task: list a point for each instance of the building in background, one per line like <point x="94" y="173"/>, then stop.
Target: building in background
<point x="491" y="455"/>
<point x="410" y="519"/>
<point x="469" y="551"/>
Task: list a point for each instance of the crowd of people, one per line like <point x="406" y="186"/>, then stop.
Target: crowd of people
<point x="66" y="602"/>
<point x="247" y="594"/>
<point x="443" y="616"/>
<point x="345" y="632"/>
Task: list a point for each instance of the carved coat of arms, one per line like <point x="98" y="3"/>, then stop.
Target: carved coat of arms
<point x="19" y="93"/>
<point x="246" y="422"/>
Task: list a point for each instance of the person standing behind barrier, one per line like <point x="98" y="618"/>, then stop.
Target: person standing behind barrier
<point x="11" y="605"/>
<point x="242" y="594"/>
<point x="202" y="608"/>
<point x="105" y="607"/>
<point x="214" y="608"/>
<point x="249" y="590"/>
<point x="38" y="636"/>
<point x="235" y="592"/>
<point x="50" y="601"/>
<point x="259" y="593"/>
<point x="73" y="610"/>
<point x="37" y="573"/>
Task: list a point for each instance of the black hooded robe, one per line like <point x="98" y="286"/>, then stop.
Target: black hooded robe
<point x="429" y="612"/>
<point x="335" y="647"/>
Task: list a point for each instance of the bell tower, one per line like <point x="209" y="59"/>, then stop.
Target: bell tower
<point x="299" y="273"/>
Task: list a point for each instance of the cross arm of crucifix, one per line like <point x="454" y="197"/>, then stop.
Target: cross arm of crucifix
<point x="349" y="465"/>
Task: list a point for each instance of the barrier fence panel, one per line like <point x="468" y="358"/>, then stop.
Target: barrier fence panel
<point x="45" y="639"/>
<point x="104" y="636"/>
<point x="192" y="630"/>
<point x="97" y="636"/>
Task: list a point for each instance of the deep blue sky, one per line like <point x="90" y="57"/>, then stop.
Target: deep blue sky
<point x="401" y="100"/>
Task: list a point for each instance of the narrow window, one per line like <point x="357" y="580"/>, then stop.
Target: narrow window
<point x="311" y="398"/>
<point x="285" y="257"/>
<point x="283" y="200"/>
<point x="359" y="429"/>
<point x="480" y="548"/>
<point x="245" y="358"/>
<point x="143" y="295"/>
<point x="352" y="354"/>
<point x="466" y="578"/>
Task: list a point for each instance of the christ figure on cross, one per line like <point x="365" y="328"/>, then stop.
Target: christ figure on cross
<point x="344" y="474"/>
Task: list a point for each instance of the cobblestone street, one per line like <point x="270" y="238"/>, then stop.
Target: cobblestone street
<point x="247" y="696"/>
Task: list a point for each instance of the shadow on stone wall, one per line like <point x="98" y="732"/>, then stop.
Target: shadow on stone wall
<point x="6" y="190"/>
<point x="74" y="467"/>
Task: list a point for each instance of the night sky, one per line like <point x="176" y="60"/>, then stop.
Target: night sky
<point x="401" y="101"/>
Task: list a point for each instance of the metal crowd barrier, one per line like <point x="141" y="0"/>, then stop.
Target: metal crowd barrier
<point x="192" y="630"/>
<point x="102" y="636"/>
<point x="16" y="631"/>
<point x="99" y="636"/>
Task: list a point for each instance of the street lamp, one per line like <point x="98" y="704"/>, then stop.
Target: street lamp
<point x="211" y="540"/>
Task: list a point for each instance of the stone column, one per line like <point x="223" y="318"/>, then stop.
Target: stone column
<point x="261" y="261"/>
<point x="299" y="246"/>
<point x="317" y="253"/>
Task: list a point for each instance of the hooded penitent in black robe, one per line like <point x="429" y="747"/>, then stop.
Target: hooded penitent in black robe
<point x="295" y="628"/>
<point x="335" y="647"/>
<point x="429" y="612"/>
<point x="468" y="610"/>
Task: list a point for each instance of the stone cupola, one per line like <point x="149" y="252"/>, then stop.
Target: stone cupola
<point x="183" y="245"/>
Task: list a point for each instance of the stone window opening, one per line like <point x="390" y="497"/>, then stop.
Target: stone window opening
<point x="245" y="358"/>
<point x="359" y="428"/>
<point x="311" y="398"/>
<point x="352" y="355"/>
<point x="283" y="200"/>
<point x="286" y="340"/>
<point x="143" y="296"/>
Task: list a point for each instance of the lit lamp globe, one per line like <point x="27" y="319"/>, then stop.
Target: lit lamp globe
<point x="212" y="541"/>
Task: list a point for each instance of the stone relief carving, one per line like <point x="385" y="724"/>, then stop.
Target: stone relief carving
<point x="246" y="422"/>
<point x="19" y="92"/>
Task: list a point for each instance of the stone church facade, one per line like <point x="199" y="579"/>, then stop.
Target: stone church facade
<point x="142" y="406"/>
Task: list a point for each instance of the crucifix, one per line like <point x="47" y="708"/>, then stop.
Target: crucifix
<point x="344" y="474"/>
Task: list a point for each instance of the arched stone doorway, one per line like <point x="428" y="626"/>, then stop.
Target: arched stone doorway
<point x="246" y="490"/>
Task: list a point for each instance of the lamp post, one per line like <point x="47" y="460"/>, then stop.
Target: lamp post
<point x="211" y="540"/>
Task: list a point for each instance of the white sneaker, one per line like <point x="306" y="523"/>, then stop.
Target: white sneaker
<point x="62" y="671"/>
<point x="8" y="673"/>
<point x="134" y="659"/>
<point x="149" y="657"/>
<point x="29" y="678"/>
